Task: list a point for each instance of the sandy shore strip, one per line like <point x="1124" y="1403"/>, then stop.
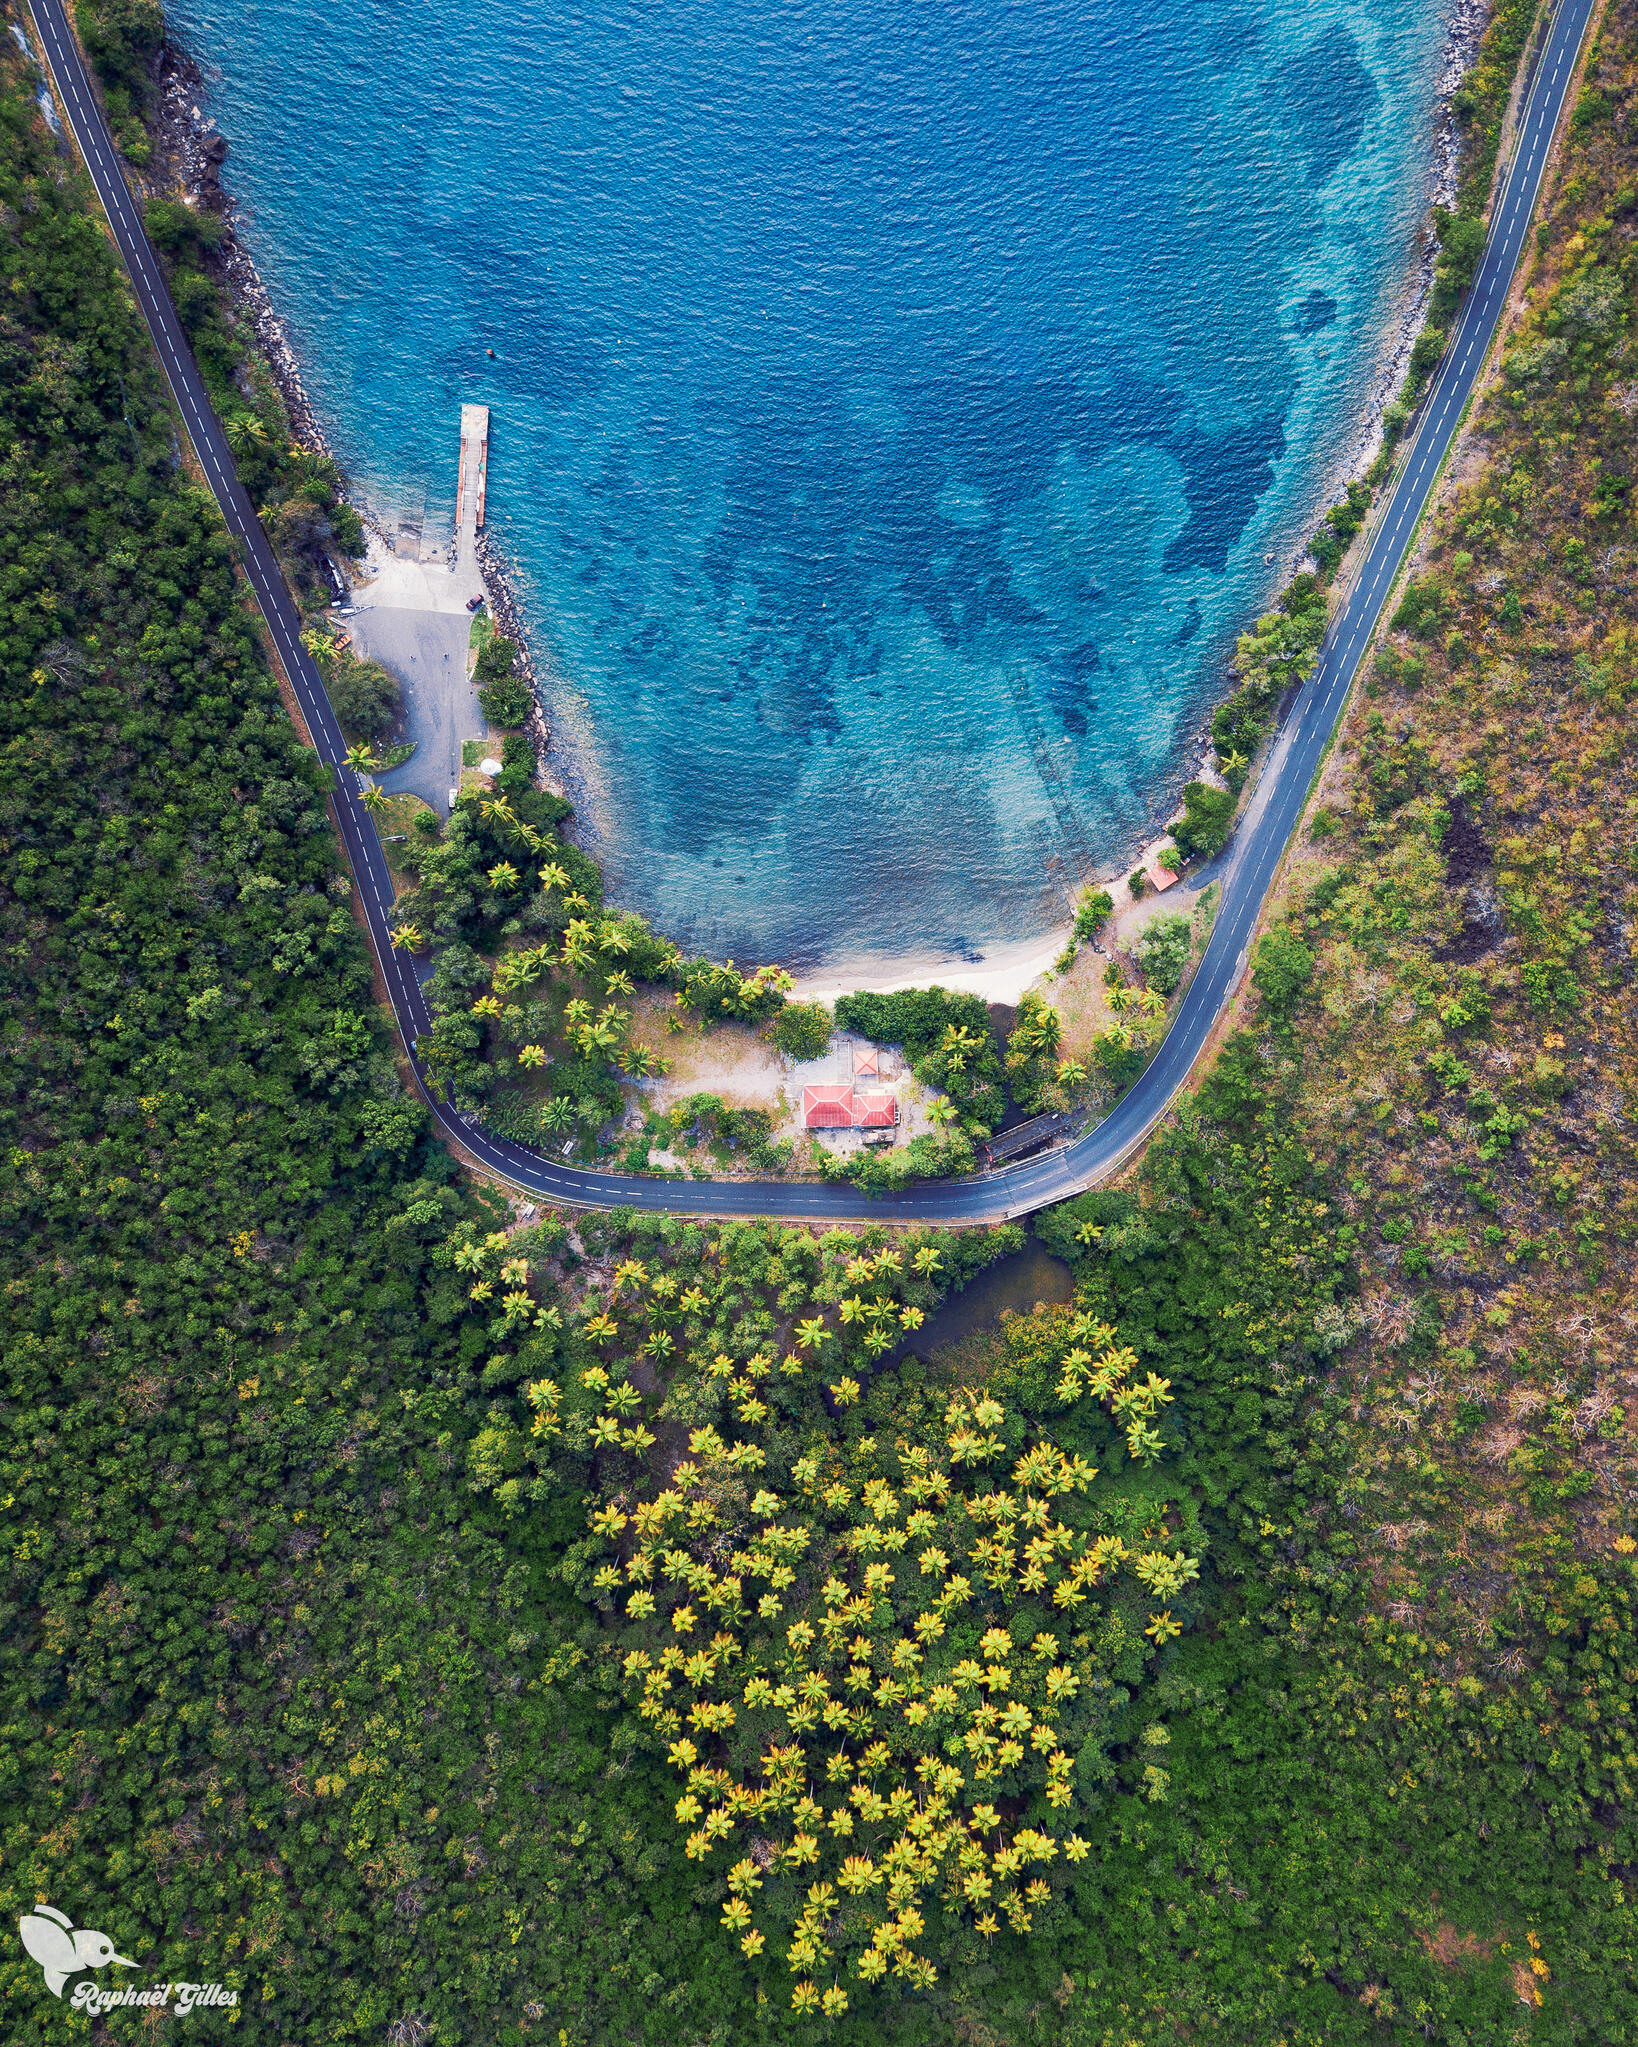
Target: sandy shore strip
<point x="1002" y="975"/>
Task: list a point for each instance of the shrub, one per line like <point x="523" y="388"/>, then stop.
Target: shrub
<point x="348" y="528"/>
<point x="180" y="230"/>
<point x="1208" y="816"/>
<point x="1097" y="907"/>
<point x="1540" y="361"/>
<point x="518" y="765"/>
<point x="1592" y="306"/>
<point x="507" y="702"/>
<point x="364" y="697"/>
<point x="1461" y="244"/>
<point x="505" y="696"/>
<point x="1282" y="968"/>
<point x="1163" y="952"/>
<point x="1031" y="1047"/>
<point x="802" y="1030"/>
<point x="1423" y="608"/>
<point x="1061" y="1229"/>
<point x="915" y="1018"/>
<point x="1425" y="352"/>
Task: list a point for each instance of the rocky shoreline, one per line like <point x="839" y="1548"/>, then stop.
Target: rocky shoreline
<point x="188" y="153"/>
<point x="1469" y="20"/>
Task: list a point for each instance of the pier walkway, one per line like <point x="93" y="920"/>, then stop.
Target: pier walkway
<point x="469" y="490"/>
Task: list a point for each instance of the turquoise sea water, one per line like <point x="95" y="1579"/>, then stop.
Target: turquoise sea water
<point x="895" y="409"/>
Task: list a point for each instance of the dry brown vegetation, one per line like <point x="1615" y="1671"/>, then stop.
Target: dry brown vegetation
<point x="1466" y="1060"/>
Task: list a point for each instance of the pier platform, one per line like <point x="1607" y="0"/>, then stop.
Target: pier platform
<point x="469" y="489"/>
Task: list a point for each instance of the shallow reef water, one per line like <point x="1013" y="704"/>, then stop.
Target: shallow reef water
<point x="896" y="411"/>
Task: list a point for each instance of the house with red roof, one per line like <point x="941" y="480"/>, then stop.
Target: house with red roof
<point x="842" y="1107"/>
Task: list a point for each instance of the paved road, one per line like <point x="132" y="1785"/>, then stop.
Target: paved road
<point x="1259" y="842"/>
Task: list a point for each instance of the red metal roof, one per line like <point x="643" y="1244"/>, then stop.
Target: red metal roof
<point x="876" y="1112"/>
<point x="827" y="1108"/>
<point x="839" y="1108"/>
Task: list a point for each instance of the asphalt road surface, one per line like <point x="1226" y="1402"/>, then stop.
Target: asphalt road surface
<point x="1259" y="842"/>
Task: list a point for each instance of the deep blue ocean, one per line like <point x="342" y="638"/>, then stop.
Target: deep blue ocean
<point x="896" y="409"/>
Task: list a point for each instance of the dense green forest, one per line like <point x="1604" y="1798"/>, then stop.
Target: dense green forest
<point x="349" y="1510"/>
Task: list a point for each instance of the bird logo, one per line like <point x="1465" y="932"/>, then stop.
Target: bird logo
<point x="62" y="1950"/>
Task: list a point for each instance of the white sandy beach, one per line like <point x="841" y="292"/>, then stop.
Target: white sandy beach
<point x="1002" y="975"/>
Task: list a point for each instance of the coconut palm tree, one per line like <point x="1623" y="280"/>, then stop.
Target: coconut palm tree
<point x="245" y="432"/>
<point x="502" y="875"/>
<point x="361" y="758"/>
<point x="532" y="1055"/>
<point x="407" y="938"/>
<point x="554" y="876"/>
<point x="373" y="797"/>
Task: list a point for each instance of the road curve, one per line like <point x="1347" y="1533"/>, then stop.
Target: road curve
<point x="1259" y="842"/>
